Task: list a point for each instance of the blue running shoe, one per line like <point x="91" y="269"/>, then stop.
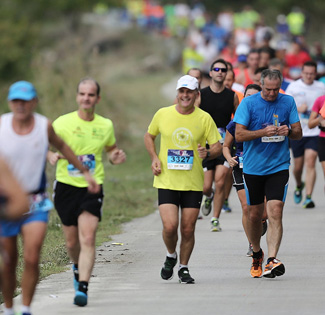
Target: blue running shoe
<point x="225" y="207"/>
<point x="297" y="194"/>
<point x="308" y="203"/>
<point x="80" y="298"/>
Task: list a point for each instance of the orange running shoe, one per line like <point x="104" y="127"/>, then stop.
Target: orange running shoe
<point x="274" y="268"/>
<point x="256" y="269"/>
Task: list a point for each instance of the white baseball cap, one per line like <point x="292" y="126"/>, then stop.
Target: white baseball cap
<point x="187" y="81"/>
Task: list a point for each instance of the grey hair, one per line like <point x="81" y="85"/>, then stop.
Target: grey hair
<point x="271" y="75"/>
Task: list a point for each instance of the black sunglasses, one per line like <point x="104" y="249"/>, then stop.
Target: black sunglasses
<point x="222" y="69"/>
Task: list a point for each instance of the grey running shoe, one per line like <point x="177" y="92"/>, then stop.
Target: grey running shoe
<point x="167" y="270"/>
<point x="250" y="250"/>
<point x="207" y="205"/>
<point x="215" y="225"/>
<point x="184" y="276"/>
<point x="264" y="229"/>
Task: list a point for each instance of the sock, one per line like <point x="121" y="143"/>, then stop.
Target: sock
<point x="83" y="286"/>
<point x="226" y="202"/>
<point x="174" y="255"/>
<point x="308" y="196"/>
<point x="75" y="271"/>
<point x="270" y="259"/>
<point x="257" y="254"/>
<point x="25" y="309"/>
<point x="182" y="266"/>
<point x="8" y="311"/>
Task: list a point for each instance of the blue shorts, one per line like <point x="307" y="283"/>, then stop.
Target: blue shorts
<point x="13" y="228"/>
<point x="299" y="146"/>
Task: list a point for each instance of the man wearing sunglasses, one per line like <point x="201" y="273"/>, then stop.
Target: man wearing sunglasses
<point x="220" y="103"/>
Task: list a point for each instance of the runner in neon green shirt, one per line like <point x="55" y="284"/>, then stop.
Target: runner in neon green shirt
<point x="88" y="134"/>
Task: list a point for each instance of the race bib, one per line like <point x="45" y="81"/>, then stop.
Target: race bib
<point x="240" y="162"/>
<point x="222" y="132"/>
<point x="40" y="202"/>
<point x="273" y="139"/>
<point x="181" y="160"/>
<point x="88" y="160"/>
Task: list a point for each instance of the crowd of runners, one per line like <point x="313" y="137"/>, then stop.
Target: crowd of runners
<point x="234" y="121"/>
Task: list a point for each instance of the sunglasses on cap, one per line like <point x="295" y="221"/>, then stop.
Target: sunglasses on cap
<point x="218" y="69"/>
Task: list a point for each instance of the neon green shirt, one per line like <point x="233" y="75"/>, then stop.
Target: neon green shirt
<point x="181" y="166"/>
<point x="87" y="139"/>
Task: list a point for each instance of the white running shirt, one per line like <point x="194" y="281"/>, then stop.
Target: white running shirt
<point x="25" y="154"/>
<point x="303" y="93"/>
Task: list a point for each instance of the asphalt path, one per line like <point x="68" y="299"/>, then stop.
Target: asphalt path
<point x="126" y="277"/>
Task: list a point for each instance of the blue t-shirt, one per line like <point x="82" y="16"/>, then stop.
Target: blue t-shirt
<point x="266" y="155"/>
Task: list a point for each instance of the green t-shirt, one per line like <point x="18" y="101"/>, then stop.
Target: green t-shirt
<point x="87" y="139"/>
<point x="181" y="166"/>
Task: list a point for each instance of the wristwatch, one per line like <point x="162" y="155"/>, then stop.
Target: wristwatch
<point x="208" y="154"/>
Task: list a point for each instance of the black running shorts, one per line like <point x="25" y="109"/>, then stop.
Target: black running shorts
<point x="237" y="175"/>
<point x="273" y="186"/>
<point x="70" y="201"/>
<point x="321" y="149"/>
<point x="298" y="147"/>
<point x="184" y="199"/>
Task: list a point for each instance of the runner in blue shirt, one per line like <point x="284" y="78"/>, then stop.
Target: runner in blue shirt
<point x="264" y="122"/>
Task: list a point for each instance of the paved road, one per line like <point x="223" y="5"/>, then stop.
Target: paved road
<point x="126" y="277"/>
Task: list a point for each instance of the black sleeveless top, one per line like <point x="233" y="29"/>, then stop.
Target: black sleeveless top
<point x="219" y="105"/>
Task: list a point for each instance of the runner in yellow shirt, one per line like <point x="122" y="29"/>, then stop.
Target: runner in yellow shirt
<point x="178" y="174"/>
<point x="88" y="135"/>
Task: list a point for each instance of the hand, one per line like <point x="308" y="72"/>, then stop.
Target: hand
<point x="156" y="166"/>
<point x="117" y="156"/>
<point x="202" y="151"/>
<point x="302" y="108"/>
<point x="321" y="121"/>
<point x="53" y="157"/>
<point x="232" y="161"/>
<point x="283" y="130"/>
<point x="270" y="131"/>
<point x="93" y="187"/>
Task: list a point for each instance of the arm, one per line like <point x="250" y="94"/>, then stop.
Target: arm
<point x="53" y="157"/>
<point x="60" y="145"/>
<point x="16" y="200"/>
<point x="149" y="141"/>
<point x="315" y="120"/>
<point x="226" y="150"/>
<point x="242" y="134"/>
<point x="294" y="134"/>
<point x="236" y="101"/>
<point x="302" y="108"/>
<point x="214" y="151"/>
<point x="115" y="155"/>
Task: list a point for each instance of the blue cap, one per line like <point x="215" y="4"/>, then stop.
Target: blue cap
<point x="22" y="90"/>
<point x="242" y="58"/>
